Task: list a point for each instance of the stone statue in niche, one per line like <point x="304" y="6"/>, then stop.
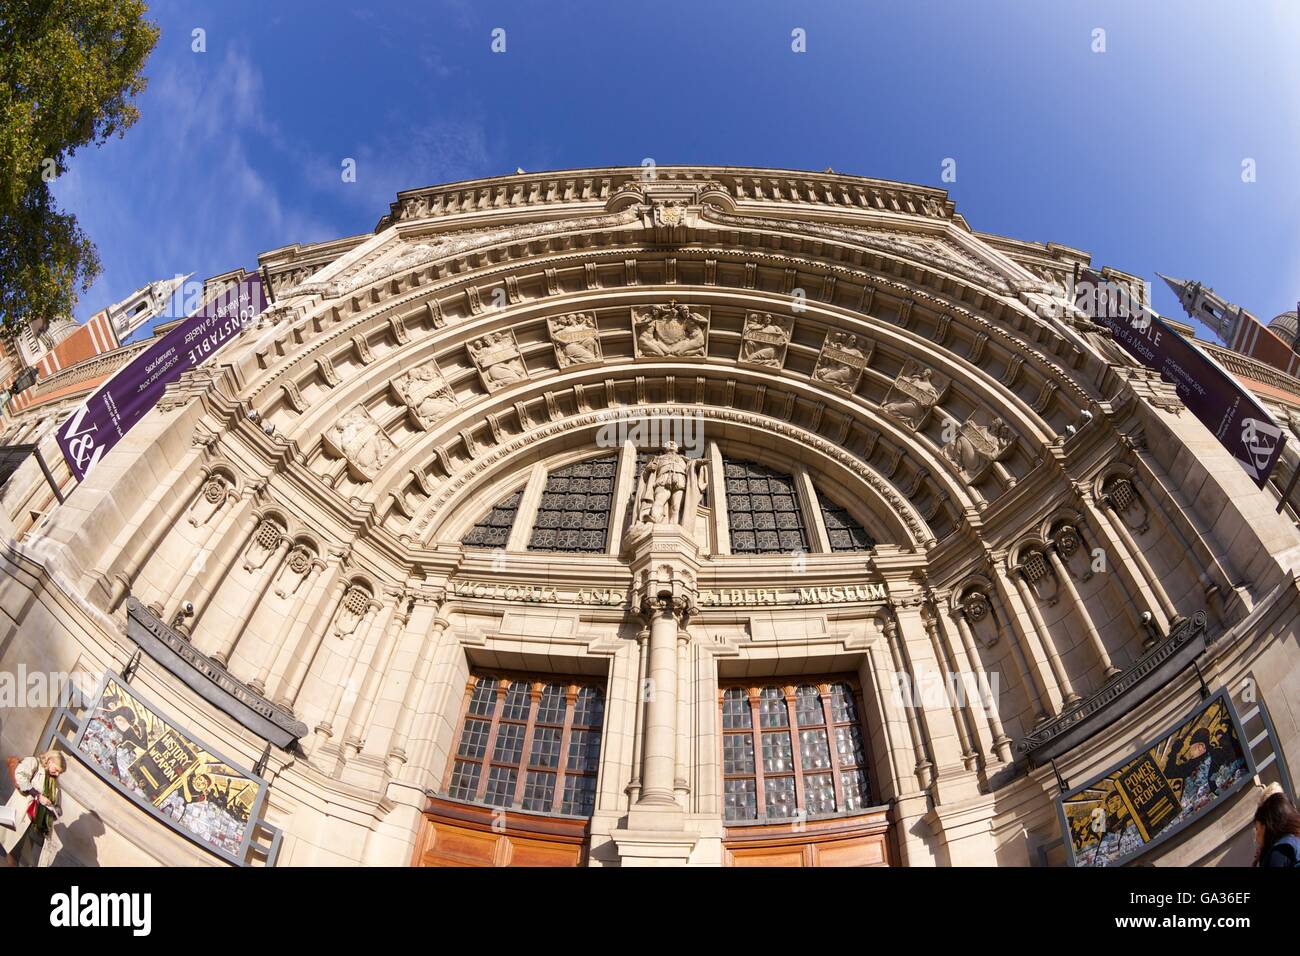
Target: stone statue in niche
<point x="265" y="540"/>
<point x="498" y="360"/>
<point x="840" y="362"/>
<point x="425" y="393"/>
<point x="359" y="439"/>
<point x="669" y="487"/>
<point x="575" y="338"/>
<point x="977" y="445"/>
<point x="671" y="330"/>
<point x="913" y="395"/>
<point x="214" y="494"/>
<point x="765" y="339"/>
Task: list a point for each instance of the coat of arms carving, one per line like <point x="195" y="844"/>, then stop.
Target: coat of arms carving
<point x="913" y="395"/>
<point x="361" y="441"/>
<point x="673" y="330"/>
<point x="977" y="444"/>
<point x="765" y="339"/>
<point x="841" y="361"/>
<point x="576" y="339"/>
<point x="425" y="393"/>
<point x="498" y="359"/>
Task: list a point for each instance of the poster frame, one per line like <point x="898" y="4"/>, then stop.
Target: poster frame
<point x="1247" y="778"/>
<point x="259" y="802"/>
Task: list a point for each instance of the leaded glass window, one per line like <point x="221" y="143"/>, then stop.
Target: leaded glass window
<point x="493" y="530"/>
<point x="792" y="752"/>
<point x="844" y="533"/>
<point x="573" y="514"/>
<point x="529" y="743"/>
<point x="762" y="510"/>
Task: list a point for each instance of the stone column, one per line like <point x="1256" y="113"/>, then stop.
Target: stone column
<point x="659" y="757"/>
<point x="923" y="768"/>
<point x="1001" y="742"/>
<point x="360" y="636"/>
<point x="208" y="580"/>
<point x="213" y="486"/>
<point x="1047" y="694"/>
<point x="1116" y="521"/>
<point x="397" y="755"/>
<point x="262" y="580"/>
<point x="354" y="738"/>
<point x="272" y="654"/>
<point x="1030" y="600"/>
<point x="296" y="656"/>
<point x="681" y="766"/>
<point x="1063" y="575"/>
<point x="1119" y="560"/>
<point x="144" y="543"/>
<point x="638" y="721"/>
<point x="969" y="752"/>
<point x="217" y="535"/>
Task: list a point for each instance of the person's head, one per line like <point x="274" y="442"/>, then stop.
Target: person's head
<point x="1275" y="818"/>
<point x="53" y="762"/>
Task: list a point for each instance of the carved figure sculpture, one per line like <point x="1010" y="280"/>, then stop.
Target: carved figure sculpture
<point x="665" y="485"/>
<point x="424" y="391"/>
<point x="765" y="339"/>
<point x="912" y="396"/>
<point x="670" y="330"/>
<point x="841" y="362"/>
<point x="575" y="339"/>
<point x="977" y="446"/>
<point x="358" y="438"/>
<point x="498" y="360"/>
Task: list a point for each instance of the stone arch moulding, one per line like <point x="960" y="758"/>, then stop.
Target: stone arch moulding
<point x="323" y="322"/>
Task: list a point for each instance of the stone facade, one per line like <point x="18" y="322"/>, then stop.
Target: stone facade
<point x="981" y="484"/>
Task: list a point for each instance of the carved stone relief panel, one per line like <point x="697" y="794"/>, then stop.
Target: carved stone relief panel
<point x="266" y="539"/>
<point x="575" y="338"/>
<point x="765" y="339"/>
<point x="216" y="490"/>
<point x="981" y="440"/>
<point x="297" y="568"/>
<point x="359" y="439"/>
<point x="498" y="360"/>
<point x="913" y="395"/>
<point x="673" y="330"/>
<point x="840" y="363"/>
<point x="352" y="609"/>
<point x="425" y="393"/>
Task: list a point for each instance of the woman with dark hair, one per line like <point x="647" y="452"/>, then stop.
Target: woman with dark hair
<point x="1277" y="832"/>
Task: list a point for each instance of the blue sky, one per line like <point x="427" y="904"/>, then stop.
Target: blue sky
<point x="1134" y="154"/>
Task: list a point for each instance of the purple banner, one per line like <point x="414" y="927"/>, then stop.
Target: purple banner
<point x="1235" y="416"/>
<point x="128" y="396"/>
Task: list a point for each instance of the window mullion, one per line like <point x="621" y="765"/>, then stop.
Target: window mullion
<point x="756" y="736"/>
<point x="485" y="768"/>
<point x="566" y="738"/>
<point x="534" y="700"/>
<point x="800" y="796"/>
<point x="825" y="691"/>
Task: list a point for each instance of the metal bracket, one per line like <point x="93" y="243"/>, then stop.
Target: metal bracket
<point x="1205" y="690"/>
<point x="1060" y="781"/>
<point x="129" y="670"/>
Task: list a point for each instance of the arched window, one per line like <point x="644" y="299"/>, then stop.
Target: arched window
<point x="493" y="529"/>
<point x="573" y="514"/>
<point x="844" y="533"/>
<point x="763" y="510"/>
